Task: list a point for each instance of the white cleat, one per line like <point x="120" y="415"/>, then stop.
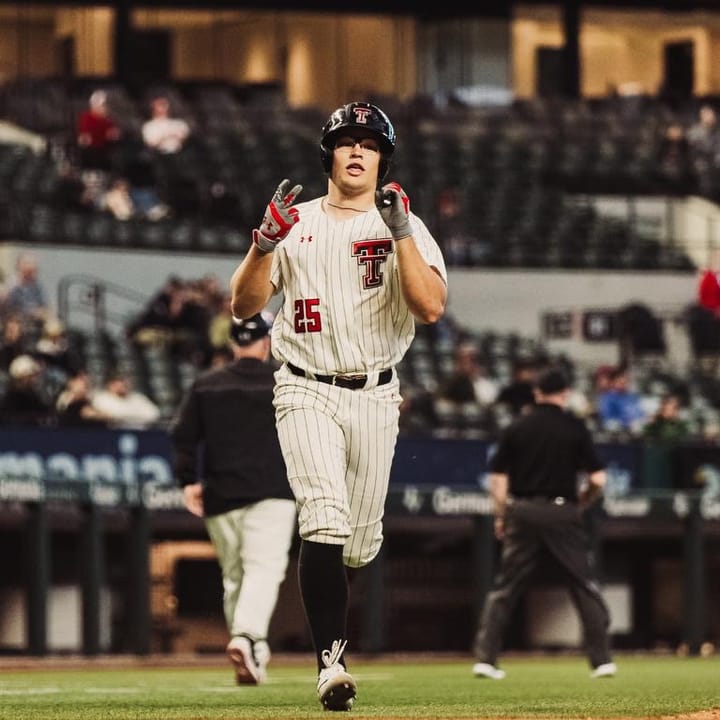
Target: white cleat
<point x="262" y="655"/>
<point x="486" y="670"/>
<point x="336" y="688"/>
<point x="606" y="670"/>
<point x="247" y="670"/>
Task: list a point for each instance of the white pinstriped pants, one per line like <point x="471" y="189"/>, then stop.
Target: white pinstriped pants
<point x="252" y="544"/>
<point x="338" y="446"/>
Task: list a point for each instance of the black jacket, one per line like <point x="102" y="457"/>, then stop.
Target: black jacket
<point x="543" y="452"/>
<point x="225" y="435"/>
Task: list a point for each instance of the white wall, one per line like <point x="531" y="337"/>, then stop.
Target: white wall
<point x="64" y="618"/>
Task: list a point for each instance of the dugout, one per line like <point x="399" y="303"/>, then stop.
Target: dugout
<point x="107" y="559"/>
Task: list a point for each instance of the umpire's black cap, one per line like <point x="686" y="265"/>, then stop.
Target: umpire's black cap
<point x="551" y="381"/>
<point x="245" y="332"/>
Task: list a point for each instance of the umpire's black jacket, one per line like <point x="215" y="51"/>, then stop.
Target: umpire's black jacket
<point x="543" y="451"/>
<point x="225" y="435"/>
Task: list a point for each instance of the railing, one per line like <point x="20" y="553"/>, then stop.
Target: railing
<point x="88" y="295"/>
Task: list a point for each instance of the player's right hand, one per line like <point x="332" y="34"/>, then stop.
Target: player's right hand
<point x="279" y="218"/>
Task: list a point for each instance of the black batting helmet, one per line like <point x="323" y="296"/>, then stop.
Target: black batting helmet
<point x="245" y="332"/>
<point x="365" y="116"/>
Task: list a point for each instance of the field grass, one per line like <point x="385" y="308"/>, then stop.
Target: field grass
<point x="537" y="687"/>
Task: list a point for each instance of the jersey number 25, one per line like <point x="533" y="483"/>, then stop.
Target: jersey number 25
<point x="307" y="316"/>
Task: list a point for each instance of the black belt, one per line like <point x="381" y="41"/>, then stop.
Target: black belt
<point x="555" y="500"/>
<point x="350" y="382"/>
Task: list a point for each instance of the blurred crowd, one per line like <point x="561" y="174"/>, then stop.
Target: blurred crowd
<point x="123" y="173"/>
<point x="613" y="400"/>
<point x="45" y="378"/>
<point x="43" y="370"/>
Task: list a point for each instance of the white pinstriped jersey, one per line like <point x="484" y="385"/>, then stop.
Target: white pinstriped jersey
<point x="342" y="310"/>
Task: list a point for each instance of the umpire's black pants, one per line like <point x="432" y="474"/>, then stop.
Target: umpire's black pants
<point x="530" y="525"/>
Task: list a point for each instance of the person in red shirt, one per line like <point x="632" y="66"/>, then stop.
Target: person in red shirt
<point x="709" y="291"/>
<point x="97" y="134"/>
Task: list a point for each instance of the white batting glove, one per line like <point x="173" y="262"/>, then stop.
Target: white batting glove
<point x="279" y="218"/>
<point x="394" y="207"/>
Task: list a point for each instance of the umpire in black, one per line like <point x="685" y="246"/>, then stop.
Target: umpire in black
<point x="538" y="497"/>
<point x="228" y="461"/>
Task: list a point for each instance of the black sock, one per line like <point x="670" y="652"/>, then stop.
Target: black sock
<point x="324" y="590"/>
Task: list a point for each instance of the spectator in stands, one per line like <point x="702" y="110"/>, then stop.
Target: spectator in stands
<point x="579" y="402"/>
<point x="704" y="140"/>
<point x="708" y="286"/>
<point x="161" y="132"/>
<point x="139" y="173"/>
<point x="98" y="134"/>
<point x="667" y="425"/>
<point x="117" y="201"/>
<point x="217" y="300"/>
<point x="167" y="140"/>
<point x="13" y="342"/>
<point x="156" y="321"/>
<point x="56" y="352"/>
<point x="704" y="135"/>
<point x="219" y="326"/>
<point x="124" y="406"/>
<point x="674" y="160"/>
<point x="519" y="396"/>
<point x="26" y="299"/>
<point x="178" y="318"/>
<point x="469" y="381"/>
<point x="75" y="191"/>
<point x="665" y="430"/>
<point x="126" y="201"/>
<point x="74" y="407"/>
<point x="620" y="408"/>
<point x="23" y="402"/>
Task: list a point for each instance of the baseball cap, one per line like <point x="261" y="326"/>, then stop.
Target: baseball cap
<point x="245" y="332"/>
<point x="552" y="381"/>
<point x="23" y="366"/>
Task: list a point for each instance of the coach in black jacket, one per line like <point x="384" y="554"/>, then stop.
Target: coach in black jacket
<point x="538" y="500"/>
<point x="228" y="461"/>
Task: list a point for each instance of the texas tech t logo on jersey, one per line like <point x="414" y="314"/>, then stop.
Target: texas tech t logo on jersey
<point x="372" y="253"/>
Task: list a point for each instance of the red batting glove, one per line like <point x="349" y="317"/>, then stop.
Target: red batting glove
<point x="279" y="218"/>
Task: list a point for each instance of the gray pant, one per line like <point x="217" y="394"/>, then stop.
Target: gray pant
<point x="252" y="545"/>
<point x="530" y="526"/>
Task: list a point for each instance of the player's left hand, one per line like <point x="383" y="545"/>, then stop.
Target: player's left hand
<point x="394" y="207"/>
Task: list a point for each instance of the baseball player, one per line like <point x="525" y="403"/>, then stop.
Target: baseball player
<point x="226" y="423"/>
<point x="356" y="269"/>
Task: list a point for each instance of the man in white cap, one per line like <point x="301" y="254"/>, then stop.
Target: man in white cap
<point x="23" y="402"/>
